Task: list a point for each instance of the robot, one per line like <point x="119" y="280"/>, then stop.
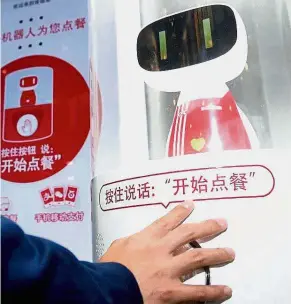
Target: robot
<point x="28" y="112"/>
<point x="197" y="52"/>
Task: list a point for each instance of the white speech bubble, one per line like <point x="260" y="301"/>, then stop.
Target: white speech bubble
<point x="165" y="188"/>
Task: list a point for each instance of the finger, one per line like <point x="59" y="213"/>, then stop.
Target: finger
<point x="194" y="231"/>
<point x="190" y="275"/>
<point x="171" y="220"/>
<point x="199" y="258"/>
<point x="182" y="249"/>
<point x="209" y="238"/>
<point x="186" y="293"/>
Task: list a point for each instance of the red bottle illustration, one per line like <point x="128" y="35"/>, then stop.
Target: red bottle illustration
<point x="209" y="124"/>
<point x="28" y="116"/>
<point x="28" y="96"/>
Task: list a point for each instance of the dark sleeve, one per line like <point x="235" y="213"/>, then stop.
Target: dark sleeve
<point x="36" y="270"/>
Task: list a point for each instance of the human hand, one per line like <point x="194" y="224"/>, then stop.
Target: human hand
<point x="151" y="255"/>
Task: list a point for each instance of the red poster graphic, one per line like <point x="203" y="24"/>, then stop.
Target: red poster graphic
<point x="45" y="117"/>
<point x="71" y="195"/>
<point x="47" y="197"/>
<point x="59" y="194"/>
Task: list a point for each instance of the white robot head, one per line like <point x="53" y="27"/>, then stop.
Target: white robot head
<point x="217" y="36"/>
<point x="197" y="52"/>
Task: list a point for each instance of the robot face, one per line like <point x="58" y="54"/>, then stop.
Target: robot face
<point x="202" y="42"/>
<point x="187" y="38"/>
<point x="29" y="81"/>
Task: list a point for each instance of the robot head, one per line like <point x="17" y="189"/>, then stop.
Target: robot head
<point x="28" y="82"/>
<point x="207" y="43"/>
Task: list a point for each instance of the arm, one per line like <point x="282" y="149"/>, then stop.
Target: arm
<point x="40" y="270"/>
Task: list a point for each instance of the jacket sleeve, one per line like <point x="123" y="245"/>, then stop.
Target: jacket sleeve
<point x="41" y="271"/>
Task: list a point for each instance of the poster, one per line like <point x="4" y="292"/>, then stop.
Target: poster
<point x="45" y="120"/>
<point x="205" y="119"/>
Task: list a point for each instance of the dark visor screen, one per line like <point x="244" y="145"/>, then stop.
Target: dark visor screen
<point x="187" y="38"/>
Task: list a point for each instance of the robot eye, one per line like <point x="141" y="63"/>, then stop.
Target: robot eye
<point x="187" y="38"/>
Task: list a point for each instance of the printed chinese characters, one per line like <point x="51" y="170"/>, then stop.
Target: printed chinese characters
<point x="201" y="184"/>
<point x="59" y="217"/>
<point x="166" y="188"/>
<point x="130" y="192"/>
<point x="27" y="159"/>
<point x="59" y="196"/>
<point x="29" y="3"/>
<point x="44" y="30"/>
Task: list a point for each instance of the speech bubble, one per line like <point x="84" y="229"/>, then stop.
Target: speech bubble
<point x="165" y="188"/>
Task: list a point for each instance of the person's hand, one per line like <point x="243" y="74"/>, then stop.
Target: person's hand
<point x="151" y="255"/>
